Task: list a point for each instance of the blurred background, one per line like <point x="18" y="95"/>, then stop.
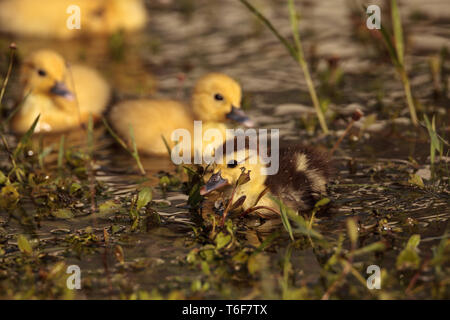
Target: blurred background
<point x="376" y="167"/>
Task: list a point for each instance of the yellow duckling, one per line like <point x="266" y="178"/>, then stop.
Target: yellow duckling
<point x="63" y="96"/>
<point x="216" y="98"/>
<point x="299" y="182"/>
<point x="50" y="18"/>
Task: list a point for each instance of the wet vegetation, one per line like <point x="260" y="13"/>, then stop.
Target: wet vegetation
<point x="137" y="226"/>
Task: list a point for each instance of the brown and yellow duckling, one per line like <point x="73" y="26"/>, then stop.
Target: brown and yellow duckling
<point x="63" y="96"/>
<point x="300" y="181"/>
<point x="216" y="99"/>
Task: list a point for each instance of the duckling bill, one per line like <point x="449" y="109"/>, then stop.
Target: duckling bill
<point x="300" y="181"/>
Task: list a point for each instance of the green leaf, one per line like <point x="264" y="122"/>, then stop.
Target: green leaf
<point x="416" y="180"/>
<point x="24" y="245"/>
<point x="144" y="197"/>
<point x="376" y="246"/>
<point x="109" y="207"/>
<point x="284" y="217"/>
<point x="408" y="257"/>
<point x="413" y="242"/>
<point x="352" y="229"/>
<point x="9" y="197"/>
<point x="63" y="214"/>
<point x="74" y="187"/>
<point x="222" y="240"/>
<point x="322" y="202"/>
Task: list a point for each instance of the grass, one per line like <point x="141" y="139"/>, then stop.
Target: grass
<point x="133" y="152"/>
<point x="397" y="53"/>
<point x="296" y="51"/>
<point x="436" y="143"/>
<point x="12" y="49"/>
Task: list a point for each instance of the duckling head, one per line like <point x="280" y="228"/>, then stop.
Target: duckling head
<point x="45" y="72"/>
<point x="217" y="98"/>
<point x="229" y="168"/>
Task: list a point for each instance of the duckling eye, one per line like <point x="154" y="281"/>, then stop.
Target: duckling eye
<point x="218" y="97"/>
<point x="232" y="164"/>
<point x="42" y="73"/>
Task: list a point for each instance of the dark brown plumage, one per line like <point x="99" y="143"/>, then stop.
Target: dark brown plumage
<point x="300" y="188"/>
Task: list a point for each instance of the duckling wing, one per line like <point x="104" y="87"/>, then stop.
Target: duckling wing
<point x="150" y="120"/>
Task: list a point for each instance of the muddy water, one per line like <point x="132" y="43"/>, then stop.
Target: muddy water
<point x="372" y="168"/>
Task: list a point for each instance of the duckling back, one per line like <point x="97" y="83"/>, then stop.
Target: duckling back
<point x="48" y="18"/>
<point x="151" y="120"/>
<point x="302" y="176"/>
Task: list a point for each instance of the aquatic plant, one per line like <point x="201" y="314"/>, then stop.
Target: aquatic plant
<point x="133" y="152"/>
<point x="397" y="53"/>
<point x="12" y="49"/>
<point x="296" y="51"/>
<point x="436" y="142"/>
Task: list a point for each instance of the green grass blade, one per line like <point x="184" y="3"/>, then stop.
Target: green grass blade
<point x="304" y="65"/>
<point x="135" y="152"/>
<point x="269" y="25"/>
<point x="61" y="152"/>
<point x="398" y="32"/>
<point x="294" y="26"/>
<point x="390" y="47"/>
<point x="284" y="216"/>
<point x="115" y="136"/>
<point x="26" y="138"/>
<point x="90" y="136"/>
<point x="12" y="49"/>
<point x="166" y="144"/>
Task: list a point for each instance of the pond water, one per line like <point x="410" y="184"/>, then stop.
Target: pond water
<point x="372" y="166"/>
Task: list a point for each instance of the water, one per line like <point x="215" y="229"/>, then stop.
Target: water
<point x="372" y="171"/>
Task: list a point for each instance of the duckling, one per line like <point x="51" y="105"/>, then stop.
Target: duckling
<point x="49" y="18"/>
<point x="299" y="182"/>
<point x="63" y="96"/>
<point x="215" y="99"/>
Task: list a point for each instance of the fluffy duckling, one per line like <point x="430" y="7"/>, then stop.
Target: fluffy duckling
<point x="48" y="18"/>
<point x="63" y="96"/>
<point x="216" y="98"/>
<point x="300" y="180"/>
